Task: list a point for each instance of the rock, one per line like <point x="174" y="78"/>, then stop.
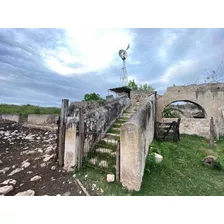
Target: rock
<point x="42" y="164"/>
<point x="53" y="168"/>
<point x="40" y="151"/>
<point x="38" y="138"/>
<point x="17" y="170"/>
<point x="47" y="158"/>
<point x="29" y="137"/>
<point x="66" y="193"/>
<point x="80" y="192"/>
<point x="1" y="162"/>
<point x="52" y="178"/>
<point x="110" y="178"/>
<point x="13" y="167"/>
<point x="35" y="178"/>
<point x="209" y="160"/>
<point x="29" y="172"/>
<point x="58" y="195"/>
<point x="158" y="158"/>
<point x="26" y="193"/>
<point x="9" y="181"/>
<point x="25" y="164"/>
<point x="6" y="189"/>
<point x="3" y="171"/>
<point x="74" y="176"/>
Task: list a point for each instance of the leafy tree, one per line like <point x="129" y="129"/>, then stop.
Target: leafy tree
<point x="93" y="96"/>
<point x="133" y="86"/>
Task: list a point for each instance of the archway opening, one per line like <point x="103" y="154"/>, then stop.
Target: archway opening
<point x="183" y="108"/>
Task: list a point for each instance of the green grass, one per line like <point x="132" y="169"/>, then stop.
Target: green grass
<point x="111" y="130"/>
<point x="27" y="109"/>
<point x="181" y="172"/>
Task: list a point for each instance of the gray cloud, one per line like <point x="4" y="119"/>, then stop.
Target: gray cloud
<point x="161" y="57"/>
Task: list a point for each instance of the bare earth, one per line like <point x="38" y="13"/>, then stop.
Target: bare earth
<point x="33" y="151"/>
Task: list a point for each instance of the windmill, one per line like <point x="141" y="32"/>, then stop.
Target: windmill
<point x="124" y="77"/>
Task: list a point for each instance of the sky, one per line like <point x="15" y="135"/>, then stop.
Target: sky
<point x="44" y="66"/>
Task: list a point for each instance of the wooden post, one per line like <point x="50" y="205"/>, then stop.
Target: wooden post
<point x="217" y="129"/>
<point x="155" y="122"/>
<point x="62" y="129"/>
<point x="81" y="138"/>
<point x="212" y="132"/>
<point x="118" y="161"/>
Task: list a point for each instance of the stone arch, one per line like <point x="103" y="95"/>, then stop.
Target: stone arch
<point x="188" y="101"/>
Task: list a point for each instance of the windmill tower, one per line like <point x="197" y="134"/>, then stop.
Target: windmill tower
<point x="124" y="77"/>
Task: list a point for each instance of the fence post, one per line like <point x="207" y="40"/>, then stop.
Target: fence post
<point x="118" y="161"/>
<point x="81" y="138"/>
<point x="62" y="129"/>
<point x="212" y="132"/>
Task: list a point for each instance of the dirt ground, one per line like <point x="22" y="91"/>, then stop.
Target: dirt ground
<point x="32" y="152"/>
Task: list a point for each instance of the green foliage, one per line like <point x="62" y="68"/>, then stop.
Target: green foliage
<point x="154" y="149"/>
<point x="24" y="110"/>
<point x="169" y="112"/>
<point x="94" y="96"/>
<point x="133" y="86"/>
<point x="219" y="163"/>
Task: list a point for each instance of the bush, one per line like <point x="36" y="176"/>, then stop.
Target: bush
<point x="219" y="163"/>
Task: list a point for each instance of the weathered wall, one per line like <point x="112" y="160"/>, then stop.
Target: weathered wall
<point x="11" y="117"/>
<point x="140" y="97"/>
<point x="98" y="120"/>
<point x="209" y="96"/>
<point x="136" y="135"/>
<point x="193" y="126"/>
<point x="42" y="119"/>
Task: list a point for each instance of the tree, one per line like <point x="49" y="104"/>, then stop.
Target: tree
<point x="92" y="96"/>
<point x="214" y="76"/>
<point x="133" y="86"/>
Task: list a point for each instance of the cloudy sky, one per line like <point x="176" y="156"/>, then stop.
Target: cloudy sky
<point x="43" y="66"/>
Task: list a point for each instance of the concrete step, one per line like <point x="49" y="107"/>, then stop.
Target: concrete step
<point x="113" y="134"/>
<point x="116" y="129"/>
<point x="105" y="150"/>
<point x="110" y="141"/>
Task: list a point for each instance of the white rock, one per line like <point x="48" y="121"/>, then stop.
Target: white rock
<point x="6" y="189"/>
<point x="80" y="192"/>
<point x="158" y="158"/>
<point x="26" y="193"/>
<point x="3" y="171"/>
<point x="58" y="195"/>
<point x="66" y="193"/>
<point x="35" y="178"/>
<point x="103" y="163"/>
<point x="9" y="181"/>
<point x="29" y="172"/>
<point x="53" y="168"/>
<point x="1" y="162"/>
<point x="25" y="164"/>
<point x="29" y="137"/>
<point x="40" y="151"/>
<point x="38" y="138"/>
<point x="47" y="158"/>
<point x="110" y="177"/>
<point x="74" y="176"/>
<point x="42" y="164"/>
<point x="14" y="166"/>
<point x="17" y="170"/>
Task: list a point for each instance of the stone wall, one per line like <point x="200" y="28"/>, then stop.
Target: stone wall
<point x="135" y="137"/>
<point x="140" y="97"/>
<point x="95" y="121"/>
<point x="192" y="126"/>
<point x="11" y="117"/>
<point x="42" y="119"/>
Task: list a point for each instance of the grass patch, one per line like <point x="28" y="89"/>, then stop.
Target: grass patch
<point x="24" y="110"/>
<point x="111" y="130"/>
<point x="181" y="172"/>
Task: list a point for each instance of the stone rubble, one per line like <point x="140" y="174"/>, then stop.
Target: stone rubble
<point x="26" y="193"/>
<point x="110" y="178"/>
<point x="17" y="170"/>
<point x="9" y="181"/>
<point x="35" y="178"/>
<point x="6" y="189"/>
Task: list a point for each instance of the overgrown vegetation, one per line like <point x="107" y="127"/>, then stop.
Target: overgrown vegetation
<point x="170" y="112"/>
<point x="133" y="86"/>
<point x="24" y="110"/>
<point x="93" y="97"/>
<point x="181" y="172"/>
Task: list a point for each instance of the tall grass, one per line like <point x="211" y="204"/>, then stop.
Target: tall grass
<point x="24" y="110"/>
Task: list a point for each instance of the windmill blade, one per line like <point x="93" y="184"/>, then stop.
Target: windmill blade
<point x="128" y="47"/>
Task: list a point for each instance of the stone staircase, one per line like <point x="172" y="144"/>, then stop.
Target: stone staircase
<point x="103" y="154"/>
